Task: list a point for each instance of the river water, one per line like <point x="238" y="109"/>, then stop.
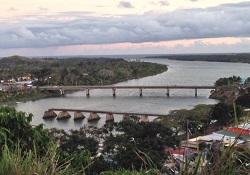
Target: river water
<point x="152" y="101"/>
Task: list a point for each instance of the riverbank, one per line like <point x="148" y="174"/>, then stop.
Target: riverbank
<point x="21" y="99"/>
<point x="225" y="94"/>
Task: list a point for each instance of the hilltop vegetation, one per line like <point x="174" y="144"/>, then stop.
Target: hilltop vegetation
<point x="76" y="71"/>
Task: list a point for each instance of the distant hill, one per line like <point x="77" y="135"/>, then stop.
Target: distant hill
<point x="18" y="61"/>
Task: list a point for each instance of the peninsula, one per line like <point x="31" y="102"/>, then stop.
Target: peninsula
<point x="20" y="75"/>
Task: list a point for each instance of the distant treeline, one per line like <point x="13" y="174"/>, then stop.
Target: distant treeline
<point x="241" y="58"/>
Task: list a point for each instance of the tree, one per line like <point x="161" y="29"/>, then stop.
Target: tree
<point x="139" y="145"/>
<point x="225" y="113"/>
<point x="244" y="100"/>
<point x="198" y="120"/>
<point x="16" y="129"/>
<point x="75" y="147"/>
<point x="41" y="73"/>
<point x="228" y="81"/>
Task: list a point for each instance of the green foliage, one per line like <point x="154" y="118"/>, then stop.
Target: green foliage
<point x="30" y="150"/>
<point x="20" y="162"/>
<point x="15" y="94"/>
<point x="138" y="143"/>
<point x="225" y="113"/>
<point x="227" y="81"/>
<point x="75" y="147"/>
<point x="74" y="141"/>
<point x="137" y="150"/>
<point x="244" y="100"/>
<point x="229" y="160"/>
<point x="15" y="129"/>
<point x="197" y="119"/>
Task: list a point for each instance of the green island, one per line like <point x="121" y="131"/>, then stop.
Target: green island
<point x="126" y="147"/>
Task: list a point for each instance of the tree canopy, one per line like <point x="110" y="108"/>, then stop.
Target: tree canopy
<point x="139" y="144"/>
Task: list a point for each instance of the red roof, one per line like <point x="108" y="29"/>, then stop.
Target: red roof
<point x="184" y="151"/>
<point x="239" y="131"/>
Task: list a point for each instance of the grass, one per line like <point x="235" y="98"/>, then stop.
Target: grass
<point x="18" y="162"/>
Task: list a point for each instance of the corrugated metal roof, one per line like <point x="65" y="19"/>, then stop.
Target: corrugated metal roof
<point x="234" y="135"/>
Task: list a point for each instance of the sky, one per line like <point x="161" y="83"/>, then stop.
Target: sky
<point x="116" y="27"/>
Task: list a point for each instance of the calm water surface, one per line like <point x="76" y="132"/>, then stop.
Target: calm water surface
<point x="152" y="101"/>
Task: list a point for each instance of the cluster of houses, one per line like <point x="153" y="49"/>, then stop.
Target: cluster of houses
<point x="190" y="149"/>
<point x="19" y="82"/>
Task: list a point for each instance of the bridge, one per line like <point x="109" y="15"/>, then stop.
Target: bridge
<point x="64" y="113"/>
<point x="62" y="89"/>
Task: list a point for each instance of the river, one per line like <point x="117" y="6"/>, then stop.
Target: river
<point x="152" y="101"/>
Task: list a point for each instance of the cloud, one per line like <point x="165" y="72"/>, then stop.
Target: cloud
<point x="164" y="3"/>
<point x="82" y="28"/>
<point x="12" y="9"/>
<point x="160" y="3"/>
<point x="42" y="9"/>
<point x="125" y="4"/>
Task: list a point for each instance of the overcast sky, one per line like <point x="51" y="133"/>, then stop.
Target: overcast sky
<point x="106" y="27"/>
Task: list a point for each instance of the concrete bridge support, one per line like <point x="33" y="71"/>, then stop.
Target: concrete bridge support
<point x="195" y="93"/>
<point x="78" y="116"/>
<point x="140" y="91"/>
<point x="113" y="89"/>
<point x="109" y="117"/>
<point x="126" y="117"/>
<point x="63" y="115"/>
<point x="61" y="91"/>
<point x="167" y="92"/>
<point x="87" y="92"/>
<point x="144" y="118"/>
<point x="49" y="114"/>
<point x="93" y="116"/>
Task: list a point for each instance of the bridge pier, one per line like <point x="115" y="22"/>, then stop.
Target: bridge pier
<point x="140" y="91"/>
<point x="195" y="92"/>
<point x="144" y="118"/>
<point x="49" y="114"/>
<point x="93" y="116"/>
<point x="61" y="91"/>
<point x="78" y="115"/>
<point x="87" y="92"/>
<point x="113" y="89"/>
<point x="109" y="117"/>
<point x="63" y="115"/>
<point x="126" y="117"/>
<point x="167" y="92"/>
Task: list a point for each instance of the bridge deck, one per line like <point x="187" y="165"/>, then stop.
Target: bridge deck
<point x="123" y="87"/>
